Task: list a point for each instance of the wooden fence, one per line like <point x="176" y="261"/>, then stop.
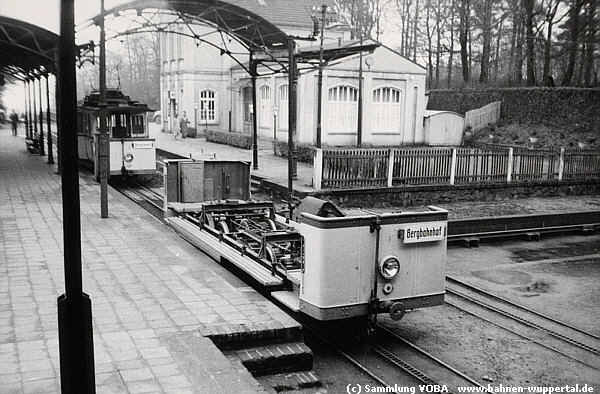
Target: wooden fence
<point x="478" y="118"/>
<point x="349" y="168"/>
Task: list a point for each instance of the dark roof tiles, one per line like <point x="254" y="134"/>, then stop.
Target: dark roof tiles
<point x="285" y="13"/>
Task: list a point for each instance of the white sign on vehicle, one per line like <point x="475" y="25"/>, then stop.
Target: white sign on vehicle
<point x="143" y="145"/>
<point x="423" y="232"/>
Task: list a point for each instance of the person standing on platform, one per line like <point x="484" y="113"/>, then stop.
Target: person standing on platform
<point x="176" y="128"/>
<point x="183" y="124"/>
<point x="14" y="121"/>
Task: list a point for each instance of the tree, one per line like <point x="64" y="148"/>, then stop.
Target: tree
<point x="530" y="42"/>
<point x="573" y="29"/>
<point x="364" y="16"/>
<point x="551" y="9"/>
<point x="591" y="16"/>
<point x="464" y="10"/>
<point x="487" y="39"/>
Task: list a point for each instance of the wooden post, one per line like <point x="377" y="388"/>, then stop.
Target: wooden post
<point x="453" y="167"/>
<point x="390" y="172"/>
<point x="511" y="159"/>
<point x="318" y="169"/>
<point x="561" y="164"/>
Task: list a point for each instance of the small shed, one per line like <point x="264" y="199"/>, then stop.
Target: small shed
<point x="443" y="128"/>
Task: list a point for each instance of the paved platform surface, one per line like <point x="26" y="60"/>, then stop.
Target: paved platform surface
<point x="153" y="294"/>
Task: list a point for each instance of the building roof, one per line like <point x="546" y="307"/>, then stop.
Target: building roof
<point x="285" y="14"/>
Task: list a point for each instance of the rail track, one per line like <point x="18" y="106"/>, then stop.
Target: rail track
<point x="546" y="331"/>
<point x="394" y="362"/>
<point x="147" y="198"/>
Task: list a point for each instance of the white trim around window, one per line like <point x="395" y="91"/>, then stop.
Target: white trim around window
<point x="282" y="97"/>
<point x="207" y="106"/>
<point x="342" y="110"/>
<point x="264" y="106"/>
<point x="386" y="110"/>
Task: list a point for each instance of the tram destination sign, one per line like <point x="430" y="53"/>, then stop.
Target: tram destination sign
<point x="423" y="232"/>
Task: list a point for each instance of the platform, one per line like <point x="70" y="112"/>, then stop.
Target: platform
<point x="156" y="299"/>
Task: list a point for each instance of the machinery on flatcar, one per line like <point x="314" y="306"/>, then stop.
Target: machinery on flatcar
<point x="131" y="150"/>
<point x="325" y="265"/>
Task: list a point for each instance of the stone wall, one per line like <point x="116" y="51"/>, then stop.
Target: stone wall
<point x="427" y="195"/>
<point x="563" y="108"/>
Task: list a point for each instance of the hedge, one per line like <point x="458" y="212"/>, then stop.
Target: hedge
<point x="243" y="141"/>
<point x="306" y="153"/>
<point x="562" y="108"/>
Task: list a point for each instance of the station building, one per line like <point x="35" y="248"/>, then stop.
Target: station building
<point x="215" y="91"/>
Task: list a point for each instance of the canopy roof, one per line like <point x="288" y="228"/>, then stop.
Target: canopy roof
<point x="26" y="49"/>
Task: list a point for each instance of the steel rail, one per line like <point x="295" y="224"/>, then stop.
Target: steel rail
<point x="520" y="335"/>
<point x="524" y="321"/>
<point x="347" y="356"/>
<point x="511" y="303"/>
<point x="427" y="355"/>
<point x="131" y="193"/>
<point x="397" y="361"/>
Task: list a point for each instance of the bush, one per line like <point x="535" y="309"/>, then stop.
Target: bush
<point x="243" y="141"/>
<point x="306" y="153"/>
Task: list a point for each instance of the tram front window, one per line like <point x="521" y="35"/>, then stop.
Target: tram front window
<point x="137" y="125"/>
<point x="119" y="126"/>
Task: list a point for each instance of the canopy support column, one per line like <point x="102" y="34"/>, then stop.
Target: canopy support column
<point x="103" y="140"/>
<point x="48" y="123"/>
<point x="26" y="102"/>
<point x="254" y="123"/>
<point x="41" y="141"/>
<point x="35" y="119"/>
<point x="29" y="128"/>
<point x="74" y="307"/>
<point x="292" y="92"/>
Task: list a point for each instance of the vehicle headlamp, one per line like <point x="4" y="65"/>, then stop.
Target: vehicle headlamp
<point x="128" y="157"/>
<point x="389" y="267"/>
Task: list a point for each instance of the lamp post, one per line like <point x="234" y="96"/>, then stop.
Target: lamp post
<point x="275" y="112"/>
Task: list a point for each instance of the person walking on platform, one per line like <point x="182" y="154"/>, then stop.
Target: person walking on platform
<point x="183" y="124"/>
<point x="14" y="121"/>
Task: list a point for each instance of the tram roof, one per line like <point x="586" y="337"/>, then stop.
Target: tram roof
<point x="116" y="101"/>
<point x="26" y="49"/>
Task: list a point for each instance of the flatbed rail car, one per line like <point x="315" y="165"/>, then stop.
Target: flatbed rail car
<point x="328" y="268"/>
<point x="131" y="150"/>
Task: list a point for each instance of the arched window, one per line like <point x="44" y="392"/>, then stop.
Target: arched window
<point x="342" y="111"/>
<point x="282" y="119"/>
<point x="208" y="106"/>
<point x="386" y="110"/>
<point x="264" y="106"/>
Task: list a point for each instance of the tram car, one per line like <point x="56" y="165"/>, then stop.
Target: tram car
<point x="324" y="264"/>
<point x="131" y="150"/>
